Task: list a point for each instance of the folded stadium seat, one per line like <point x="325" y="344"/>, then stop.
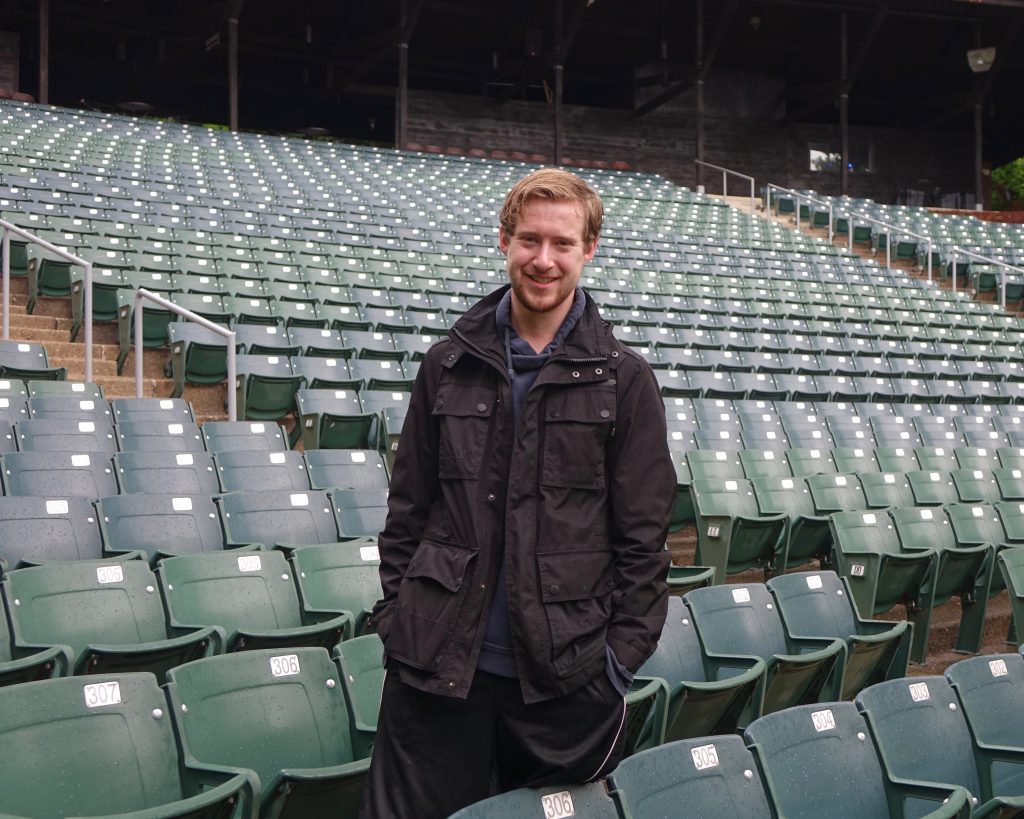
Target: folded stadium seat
<point x="315" y="341"/>
<point x="764" y="463"/>
<point x="104" y="613"/>
<point x="935" y="458"/>
<point x="249" y="598"/>
<point x="713" y="437"/>
<point x="158" y="410"/>
<point x="846" y="431"/>
<point x="712" y="464"/>
<point x="197" y="356"/>
<point x="155" y="323"/>
<point x="977" y="457"/>
<point x="990" y="690"/>
<point x="326" y="373"/>
<point x="50" y="278"/>
<point x="48" y="435"/>
<point x="883" y="490"/>
<point x="868" y="553"/>
<point x="361" y="661"/>
<point x="855" y="460"/>
<point x="1011" y="566"/>
<point x="806" y="535"/>
<point x="371" y="345"/>
<point x="264" y="340"/>
<point x="257" y="436"/>
<point x="716" y="384"/>
<point x="704" y="694"/>
<point x="922" y="735"/>
<point x="180" y="473"/>
<point x="732" y="534"/>
<point x="35" y="529"/>
<point x="339" y="578"/>
<point x="58" y="474"/>
<point x="360" y="512"/>
<point x="265" y="387"/>
<point x="803" y="462"/>
<point x="114" y="723"/>
<point x="70" y="409"/>
<point x="157" y="525"/>
<point x="948" y="437"/>
<point x="346" y="469"/>
<point x="382" y="374"/>
<point x="819" y="604"/>
<point x="709" y="775"/>
<point x="27" y="360"/>
<point x="1010" y="483"/>
<point x="257" y="469"/>
<point x="677" y="383"/>
<point x="335" y="419"/>
<point x="591" y="800"/>
<point x="277" y="517"/>
<point x="1011" y="457"/>
<point x="150" y="436"/>
<point x="829" y="744"/>
<point x="682" y="509"/>
<point x="252" y="309"/>
<point x="975" y="485"/>
<point x="742" y="620"/>
<point x="931" y="487"/>
<point x="835" y="493"/>
<point x="803" y="434"/>
<point x="305" y="757"/>
<point x="682" y="579"/>
<point x="208" y="305"/>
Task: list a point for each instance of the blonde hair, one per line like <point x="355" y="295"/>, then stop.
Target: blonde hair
<point x="558" y="185"/>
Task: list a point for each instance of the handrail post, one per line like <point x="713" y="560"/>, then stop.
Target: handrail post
<point x="888" y="249"/>
<point x="831" y="234"/>
<point x="930" y="250"/>
<point x="849" y="231"/>
<point x="751" y="196"/>
<point x="1002" y="288"/>
<point x="798" y="202"/>
<point x="954" y="269"/>
<point x="87" y="296"/>
<point x="7" y="283"/>
<point x="725" y="185"/>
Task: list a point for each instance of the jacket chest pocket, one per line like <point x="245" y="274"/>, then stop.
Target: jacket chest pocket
<point x="577" y="425"/>
<point x="464" y="412"/>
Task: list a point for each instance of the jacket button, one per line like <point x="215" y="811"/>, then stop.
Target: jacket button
<point x="481" y="407"/>
<point x="451" y="684"/>
<point x="605" y="413"/>
<point x="598" y="371"/>
<point x="491" y="496"/>
<point x="554" y="589"/>
<point x="575" y="374"/>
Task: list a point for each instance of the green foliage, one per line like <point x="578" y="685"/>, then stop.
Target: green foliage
<point x="1008" y="186"/>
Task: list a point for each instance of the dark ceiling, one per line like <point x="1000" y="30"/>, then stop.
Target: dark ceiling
<point x="334" y="63"/>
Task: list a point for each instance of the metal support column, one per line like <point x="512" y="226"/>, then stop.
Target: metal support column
<point x="979" y="150"/>
<point x="559" y="80"/>
<point x="844" y="107"/>
<point x="700" y="93"/>
<point x="402" y="100"/>
<point x="233" y="72"/>
<point x="44" y="52"/>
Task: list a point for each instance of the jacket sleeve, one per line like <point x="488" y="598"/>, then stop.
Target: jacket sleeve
<point x="641" y="488"/>
<point x="414" y="485"/>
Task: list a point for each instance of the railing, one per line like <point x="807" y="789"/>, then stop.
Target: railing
<point x="800" y="198"/>
<point x="143" y="294"/>
<point x="8" y="229"/>
<point x="725" y="179"/>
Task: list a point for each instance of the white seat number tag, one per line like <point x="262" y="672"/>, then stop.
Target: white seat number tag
<point x="557" y="805"/>
<point x="741" y="595"/>
<point x="919" y="692"/>
<point x="358" y="457"/>
<point x="100" y="694"/>
<point x="706" y="756"/>
<point x="109" y="574"/>
<point x="287" y="665"/>
<point x="998" y="668"/>
<point x="249" y="563"/>
<point x="369" y="553"/>
<point x="823" y="720"/>
<point x="814" y="581"/>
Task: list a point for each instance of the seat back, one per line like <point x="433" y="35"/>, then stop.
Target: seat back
<point x="678" y="656"/>
<point x="277" y="516"/>
<point x="923" y="527"/>
<point x="557" y="800"/>
<point x="87" y="746"/>
<point x="738" y="619"/>
<point x="265" y="710"/>
<point x="920" y="730"/>
<point x="814" y="604"/>
<point x="222" y="436"/>
<point x="885" y="489"/>
<point x="783" y="495"/>
<point x="241" y="469"/>
<point x="160" y="524"/>
<point x="339" y="577"/>
<point x="233" y="589"/>
<point x="34" y="528"/>
<point x="816" y="762"/>
<point x="711" y="776"/>
<point x="56" y="474"/>
<point x="178" y="473"/>
<point x="161" y="436"/>
<point x="346" y="469"/>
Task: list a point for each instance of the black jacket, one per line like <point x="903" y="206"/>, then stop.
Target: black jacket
<point x="581" y="496"/>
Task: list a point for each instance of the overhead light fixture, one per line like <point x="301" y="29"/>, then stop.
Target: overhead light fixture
<point x="980" y="59"/>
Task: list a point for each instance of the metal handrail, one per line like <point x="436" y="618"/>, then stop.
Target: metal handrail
<point x="799" y="198"/>
<point x="141" y="294"/>
<point x="725" y="179"/>
<point x="8" y="229"/>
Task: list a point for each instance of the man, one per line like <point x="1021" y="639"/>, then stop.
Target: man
<point x="523" y="561"/>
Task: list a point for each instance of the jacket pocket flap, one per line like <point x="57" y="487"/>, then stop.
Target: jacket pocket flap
<point x="574" y="575"/>
<point x="465" y="402"/>
<point x="443" y="564"/>
<point x="582" y="406"/>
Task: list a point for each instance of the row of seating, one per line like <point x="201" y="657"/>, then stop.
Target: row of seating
<point x="936" y="746"/>
<point x="117" y="615"/>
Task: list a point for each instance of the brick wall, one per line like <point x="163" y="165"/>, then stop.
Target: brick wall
<point x="664" y="142"/>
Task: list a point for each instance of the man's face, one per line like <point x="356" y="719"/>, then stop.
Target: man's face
<point x="546" y="254"/>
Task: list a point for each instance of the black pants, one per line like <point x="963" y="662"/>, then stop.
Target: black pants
<point x="434" y="755"/>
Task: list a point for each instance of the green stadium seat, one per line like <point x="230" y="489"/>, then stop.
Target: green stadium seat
<point x="804" y="462"/>
<point x="178" y="473"/>
<point x="710" y="776"/>
<point x="682" y="579"/>
<point x="197" y="356"/>
<point x="807" y="535"/>
<point x="155" y="322"/>
<point x="70" y="409"/>
<point x="334" y="419"/>
<point x="819" y="604"/>
<point x="732" y="534"/>
<point x="335" y="578"/>
<point x="922" y="735"/>
<point x="278" y="517"/>
<point x="742" y="620"/>
<point x="249" y="598"/>
<point x="28" y="665"/>
<point x="931" y="487"/>
<point x="34" y="529"/>
<point x="265" y="387"/>
<point x="48" y="435"/>
<point x="818" y="760"/>
<point x="252" y="469"/>
<point x="159" y="525"/>
<point x="304" y="756"/>
<point x="159" y="436"/>
<point x="886" y="489"/>
<point x="58" y="474"/>
<point x="590" y="800"/>
<point x="158" y="410"/>
<point x="346" y="469"/>
<point x="361" y="661"/>
<point x="765" y="463"/>
<point x="106" y="614"/>
<point x="55" y="736"/>
<point x="251" y="436"/>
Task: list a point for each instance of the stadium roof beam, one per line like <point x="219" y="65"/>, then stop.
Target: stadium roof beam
<point x="699" y="73"/>
<point x="407" y="19"/>
<point x="234" y="12"/>
<point x="843" y="86"/>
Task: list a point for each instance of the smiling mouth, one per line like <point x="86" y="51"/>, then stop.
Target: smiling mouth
<point x="542" y="280"/>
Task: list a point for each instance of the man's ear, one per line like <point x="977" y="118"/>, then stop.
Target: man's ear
<point x="589" y="252"/>
<point x="503" y="238"/>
